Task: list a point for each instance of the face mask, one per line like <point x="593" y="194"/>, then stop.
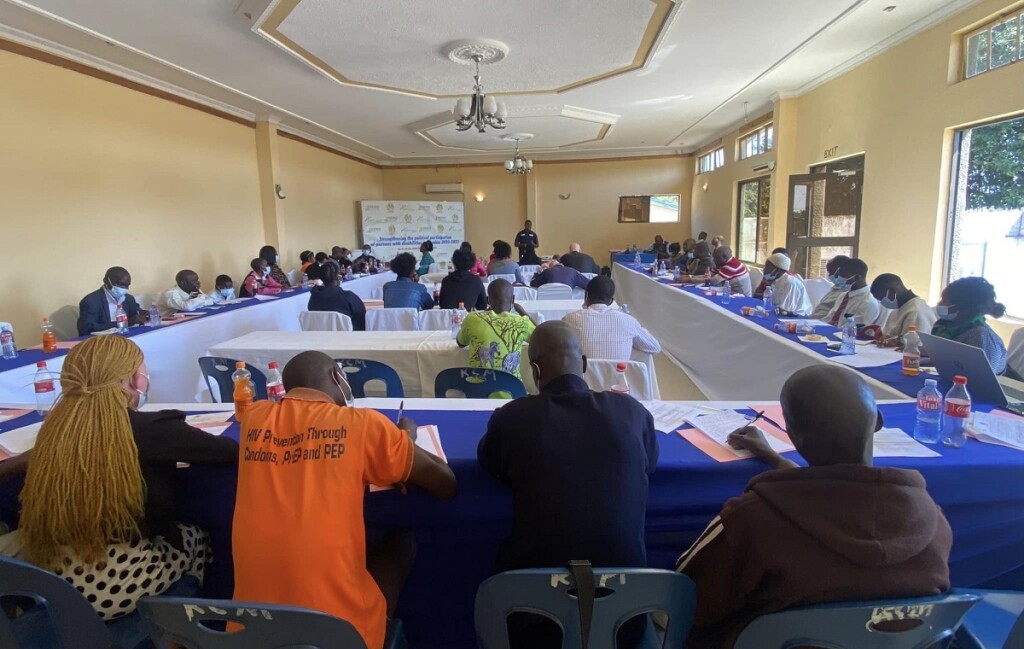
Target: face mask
<point x="266" y="271"/>
<point x="344" y="392"/>
<point x="946" y="313"/>
<point x="889" y="303"/>
<point x="771" y="277"/>
<point x="689" y="255"/>
<point x="842" y="283"/>
<point x="118" y="292"/>
<point x="228" y="293"/>
<point x="143" y="398"/>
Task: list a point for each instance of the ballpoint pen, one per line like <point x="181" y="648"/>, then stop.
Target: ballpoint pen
<point x="754" y="420"/>
<point x="401" y="408"/>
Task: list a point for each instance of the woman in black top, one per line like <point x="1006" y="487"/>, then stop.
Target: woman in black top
<point x="462" y="285"/>
<point x="331" y="297"/>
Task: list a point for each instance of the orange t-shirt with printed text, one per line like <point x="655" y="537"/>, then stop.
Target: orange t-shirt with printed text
<point x="299" y="537"/>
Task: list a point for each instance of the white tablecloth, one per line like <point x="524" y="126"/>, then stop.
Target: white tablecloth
<point x="172" y="351"/>
<point x="551" y="309"/>
<point x="725" y="355"/>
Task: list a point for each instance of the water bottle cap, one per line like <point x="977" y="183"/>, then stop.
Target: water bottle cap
<point x="41" y="365"/>
<point x="45" y="319"/>
<point x="960" y="380"/>
<point x="930" y="383"/>
<point x="273" y="365"/>
<point x="621" y="367"/>
<point x="912" y="328"/>
<point x="239" y="365"/>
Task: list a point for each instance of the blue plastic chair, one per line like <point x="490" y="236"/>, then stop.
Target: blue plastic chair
<point x="220" y="370"/>
<point x="623" y="593"/>
<point x="997" y="622"/>
<point x="266" y="626"/>
<point x="478" y="383"/>
<point x="60" y="619"/>
<point x="359" y="372"/>
<point x="913" y="623"/>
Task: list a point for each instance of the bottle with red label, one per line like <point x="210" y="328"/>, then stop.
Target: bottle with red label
<point x="621" y="385"/>
<point x="437" y="293"/>
<point x="275" y="385"/>
<point x="121" y="320"/>
<point x="956" y="413"/>
<point x="46" y="390"/>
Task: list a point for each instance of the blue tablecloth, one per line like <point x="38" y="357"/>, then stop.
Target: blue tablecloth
<point x="979" y="487"/>
<point x="892" y="374"/>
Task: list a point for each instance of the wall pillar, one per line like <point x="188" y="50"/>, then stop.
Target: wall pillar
<point x="786" y="134"/>
<point x="269" y="165"/>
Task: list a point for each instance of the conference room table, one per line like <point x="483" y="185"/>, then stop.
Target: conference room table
<point x="978" y="487"/>
<point x="732" y="356"/>
<point x="172" y="349"/>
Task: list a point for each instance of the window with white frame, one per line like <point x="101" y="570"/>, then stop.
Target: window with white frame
<point x="711" y="160"/>
<point x="758" y="142"/>
<point x="996" y="44"/>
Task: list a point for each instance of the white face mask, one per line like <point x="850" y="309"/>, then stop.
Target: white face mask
<point x="228" y="293"/>
<point x="346" y="389"/>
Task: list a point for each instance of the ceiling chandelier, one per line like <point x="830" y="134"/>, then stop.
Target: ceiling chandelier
<point x="518" y="164"/>
<point x="480" y="110"/>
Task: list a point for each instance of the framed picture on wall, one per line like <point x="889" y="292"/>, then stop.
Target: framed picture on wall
<point x="658" y="208"/>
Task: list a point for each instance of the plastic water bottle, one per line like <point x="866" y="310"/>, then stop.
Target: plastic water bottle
<point x="121" y="319"/>
<point x="49" y="339"/>
<point x="726" y="292"/>
<point x="458" y="315"/>
<point x="275" y="385"/>
<point x="768" y="300"/>
<point x="849" y="345"/>
<point x="10" y="350"/>
<point x="912" y="352"/>
<point x="437" y="293"/>
<point x="154" y="315"/>
<point x="46" y="391"/>
<point x="636" y="259"/>
<point x="929" y="413"/>
<point x="244" y="392"/>
<point x="621" y="385"/>
<point x="955" y="414"/>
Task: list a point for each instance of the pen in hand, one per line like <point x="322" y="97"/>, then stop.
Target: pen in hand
<point x="401" y="409"/>
<point x="754" y="420"/>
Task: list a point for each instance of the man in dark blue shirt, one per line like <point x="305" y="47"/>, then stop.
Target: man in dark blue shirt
<point x="577" y="463"/>
<point x="406" y="291"/>
<point x="559" y="274"/>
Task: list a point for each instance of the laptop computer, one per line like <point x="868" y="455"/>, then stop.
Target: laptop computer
<point x="952" y="358"/>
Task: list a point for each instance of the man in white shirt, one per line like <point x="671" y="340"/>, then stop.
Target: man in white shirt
<point x="905" y="308"/>
<point x="788" y="291"/>
<point x="224" y="289"/>
<point x="607" y="332"/>
<point x="858" y="300"/>
<point x="186" y="296"/>
<point x="825" y="306"/>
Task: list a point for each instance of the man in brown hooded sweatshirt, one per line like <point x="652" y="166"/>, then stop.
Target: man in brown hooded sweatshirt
<point x="839" y="529"/>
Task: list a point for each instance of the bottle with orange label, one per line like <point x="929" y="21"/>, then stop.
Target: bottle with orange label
<point x="243" y="394"/>
<point x="49" y="339"/>
<point x="912" y="352"/>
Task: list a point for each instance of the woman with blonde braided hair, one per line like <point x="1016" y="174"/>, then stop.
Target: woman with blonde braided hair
<point x="96" y="505"/>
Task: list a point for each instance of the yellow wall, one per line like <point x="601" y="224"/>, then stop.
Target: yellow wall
<point x="96" y="175"/>
<point x="589" y="216"/>
<point x="322" y="190"/>
<point x="900" y="110"/>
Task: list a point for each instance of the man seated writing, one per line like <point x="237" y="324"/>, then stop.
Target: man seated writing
<point x="827" y="302"/>
<point x="727" y="270"/>
<point x="605" y="331"/>
<point x="304" y="466"/>
<point x="839" y="529"/>
<point x="97" y="311"/>
<point x="907" y="308"/>
<point x="858" y="300"/>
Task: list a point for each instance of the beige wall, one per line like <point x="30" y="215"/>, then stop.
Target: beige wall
<point x="900" y="110"/>
<point x="589" y="216"/>
<point x="322" y="190"/>
<point x="96" y="175"/>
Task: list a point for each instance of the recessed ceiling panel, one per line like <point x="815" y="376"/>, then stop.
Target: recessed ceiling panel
<point x="398" y="45"/>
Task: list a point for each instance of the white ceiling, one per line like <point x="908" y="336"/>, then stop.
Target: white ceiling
<point x="708" y="58"/>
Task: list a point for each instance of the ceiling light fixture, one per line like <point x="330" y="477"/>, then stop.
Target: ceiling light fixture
<point x="480" y="110"/>
<point x="518" y="164"/>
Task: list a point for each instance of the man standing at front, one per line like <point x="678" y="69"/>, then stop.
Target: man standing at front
<point x="577" y="463"/>
<point x="527" y="242"/>
<point x="304" y="464"/>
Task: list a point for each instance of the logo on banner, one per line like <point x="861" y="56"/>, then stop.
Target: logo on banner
<point x="391" y="229"/>
<point x="440" y="207"/>
<point x="408" y="218"/>
<point x="391" y="207"/>
<point x="440" y="229"/>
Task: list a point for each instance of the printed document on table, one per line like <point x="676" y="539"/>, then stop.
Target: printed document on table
<point x="800" y="322"/>
<point x="893" y="442"/>
<point x="265" y="298"/>
<point x="429" y="439"/>
<point x="214" y="423"/>
<point x="869" y="356"/>
<point x="993" y="429"/>
<point x="718" y="427"/>
<point x="668" y="416"/>
<point x="20" y="440"/>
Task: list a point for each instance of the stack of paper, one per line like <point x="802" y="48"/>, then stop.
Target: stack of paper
<point x="214" y="423"/>
<point x="717" y="427"/>
<point x="669" y="416"/>
<point x="996" y="429"/>
<point x="893" y="442"/>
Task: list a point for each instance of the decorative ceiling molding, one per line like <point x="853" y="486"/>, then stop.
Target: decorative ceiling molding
<point x="268" y="22"/>
<point x="437" y="129"/>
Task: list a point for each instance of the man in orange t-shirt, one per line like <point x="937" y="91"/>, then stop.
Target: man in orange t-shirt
<point x="299" y="538"/>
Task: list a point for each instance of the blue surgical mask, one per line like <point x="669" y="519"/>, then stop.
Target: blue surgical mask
<point x="889" y="302"/>
<point x="266" y="271"/>
<point x="228" y="293"/>
<point x="118" y="292"/>
<point x="842" y="283"/>
<point x="143" y="398"/>
<point x="946" y="313"/>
